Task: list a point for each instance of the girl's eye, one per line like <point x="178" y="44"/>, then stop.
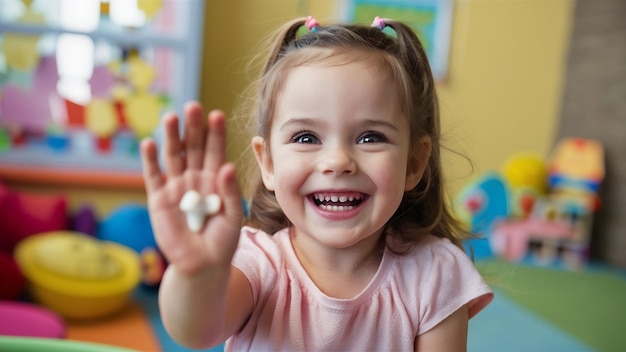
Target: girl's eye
<point x="305" y="138"/>
<point x="371" y="137"/>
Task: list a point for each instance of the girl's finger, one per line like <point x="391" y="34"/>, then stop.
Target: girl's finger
<point x="194" y="135"/>
<point x="215" y="149"/>
<point x="172" y="146"/>
<point x="152" y="176"/>
<point x="229" y="191"/>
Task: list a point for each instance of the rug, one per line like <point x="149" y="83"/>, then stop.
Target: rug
<point x="590" y="305"/>
<point x="130" y="328"/>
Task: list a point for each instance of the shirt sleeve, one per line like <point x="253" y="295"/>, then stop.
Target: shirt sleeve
<point x="452" y="281"/>
<point x="258" y="258"/>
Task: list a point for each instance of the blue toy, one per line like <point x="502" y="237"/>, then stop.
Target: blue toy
<point x="479" y="205"/>
<point x="130" y="225"/>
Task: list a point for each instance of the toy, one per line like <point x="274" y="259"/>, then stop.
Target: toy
<point x="525" y="170"/>
<point x="153" y="266"/>
<point x="13" y="282"/>
<point x="479" y="205"/>
<point x="76" y="275"/>
<point x="130" y="225"/>
<point x="510" y="239"/>
<point x="556" y="224"/>
<point x="23" y="215"/>
<point x="84" y="220"/>
<point x="26" y="319"/>
<point x="525" y="175"/>
<point x="575" y="174"/>
<point x="533" y="208"/>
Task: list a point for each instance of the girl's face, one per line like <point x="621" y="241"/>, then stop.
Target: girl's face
<point x="338" y="153"/>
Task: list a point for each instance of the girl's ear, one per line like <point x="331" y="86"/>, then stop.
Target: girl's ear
<point x="417" y="163"/>
<point x="264" y="161"/>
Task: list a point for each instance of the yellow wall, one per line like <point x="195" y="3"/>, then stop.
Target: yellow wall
<point x="506" y="75"/>
<point x="502" y="94"/>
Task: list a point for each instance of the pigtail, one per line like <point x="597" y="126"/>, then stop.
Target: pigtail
<point x="287" y="34"/>
<point x="284" y="36"/>
<point x="264" y="211"/>
<point x="412" y="53"/>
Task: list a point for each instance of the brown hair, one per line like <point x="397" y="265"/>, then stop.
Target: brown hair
<point x="423" y="209"/>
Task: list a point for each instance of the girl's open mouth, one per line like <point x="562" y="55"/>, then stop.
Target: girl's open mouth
<point x="338" y="201"/>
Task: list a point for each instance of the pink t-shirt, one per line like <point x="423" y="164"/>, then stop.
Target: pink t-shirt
<point x="408" y="296"/>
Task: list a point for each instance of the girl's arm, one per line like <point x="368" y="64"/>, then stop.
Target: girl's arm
<point x="204" y="311"/>
<point x="202" y="300"/>
<point x="449" y="335"/>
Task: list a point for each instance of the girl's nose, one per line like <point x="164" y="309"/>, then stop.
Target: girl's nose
<point x="337" y="161"/>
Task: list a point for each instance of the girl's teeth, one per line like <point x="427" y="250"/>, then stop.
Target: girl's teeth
<point x="336" y="207"/>
<point x="335" y="198"/>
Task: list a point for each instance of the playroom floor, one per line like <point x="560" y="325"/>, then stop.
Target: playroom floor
<point x="535" y="309"/>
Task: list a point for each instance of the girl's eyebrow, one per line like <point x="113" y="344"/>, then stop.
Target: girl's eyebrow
<point x="306" y="121"/>
<point x="380" y="123"/>
<point x="299" y="121"/>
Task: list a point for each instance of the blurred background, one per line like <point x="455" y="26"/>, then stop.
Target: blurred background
<point x="533" y="109"/>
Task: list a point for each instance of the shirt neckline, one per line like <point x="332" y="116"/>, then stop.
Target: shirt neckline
<point x="295" y="266"/>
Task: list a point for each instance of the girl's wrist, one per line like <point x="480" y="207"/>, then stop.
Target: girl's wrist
<point x="210" y="273"/>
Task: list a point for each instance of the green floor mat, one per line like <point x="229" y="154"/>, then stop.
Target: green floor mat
<point x="590" y="305"/>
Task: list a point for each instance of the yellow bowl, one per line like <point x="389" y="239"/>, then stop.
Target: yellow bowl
<point x="76" y="284"/>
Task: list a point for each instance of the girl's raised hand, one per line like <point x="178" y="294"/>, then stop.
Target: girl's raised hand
<point x="194" y="162"/>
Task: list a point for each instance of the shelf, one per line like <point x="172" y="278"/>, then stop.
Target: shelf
<point x="126" y="37"/>
<point x="84" y="178"/>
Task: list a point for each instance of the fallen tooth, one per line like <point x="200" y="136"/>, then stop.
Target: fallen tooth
<point x="196" y="209"/>
<point x="195" y="220"/>
<point x="189" y="201"/>
<point x="212" y="204"/>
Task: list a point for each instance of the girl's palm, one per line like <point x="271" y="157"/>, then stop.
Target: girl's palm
<point x="195" y="162"/>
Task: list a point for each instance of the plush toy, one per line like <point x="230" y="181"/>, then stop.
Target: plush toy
<point x="24" y="215"/>
<point x="525" y="170"/>
<point x="129" y="225"/>
<point x="13" y="280"/>
<point x="84" y="220"/>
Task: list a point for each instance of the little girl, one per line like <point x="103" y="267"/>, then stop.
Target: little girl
<point x="349" y="244"/>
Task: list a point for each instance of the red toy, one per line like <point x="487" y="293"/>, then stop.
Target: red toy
<point x="24" y="215"/>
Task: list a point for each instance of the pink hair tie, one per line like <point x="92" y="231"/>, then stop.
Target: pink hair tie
<point x="311" y="24"/>
<point x="379" y="23"/>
